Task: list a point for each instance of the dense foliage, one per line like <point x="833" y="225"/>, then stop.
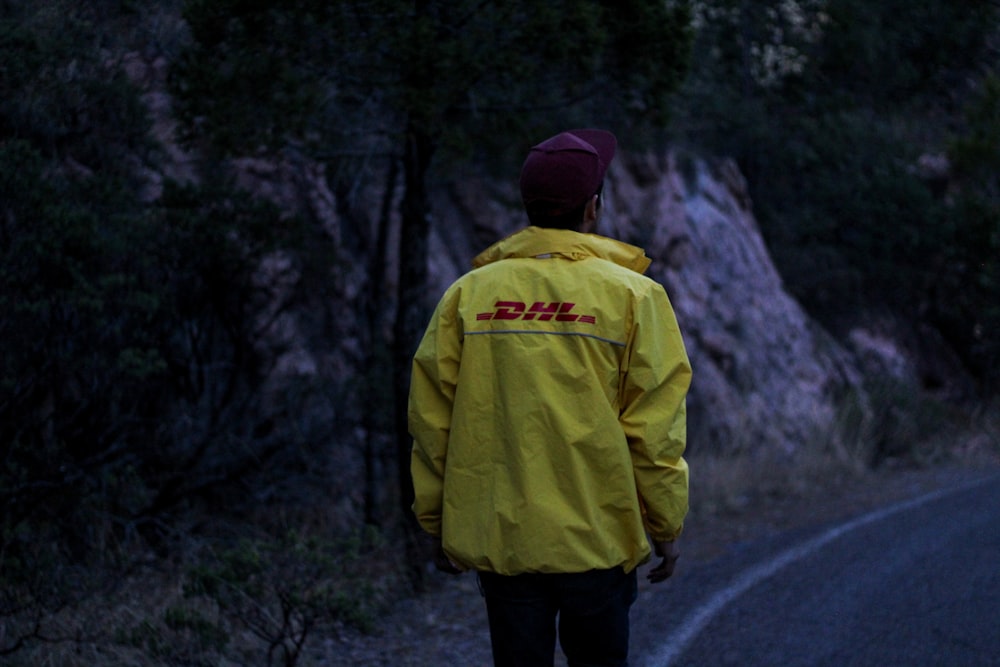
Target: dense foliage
<point x="79" y="315"/>
<point x="131" y="377"/>
<point x="838" y="112"/>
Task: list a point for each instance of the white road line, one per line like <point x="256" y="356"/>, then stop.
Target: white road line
<point x="675" y="645"/>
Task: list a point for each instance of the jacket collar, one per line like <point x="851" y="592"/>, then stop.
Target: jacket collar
<point x="539" y="241"/>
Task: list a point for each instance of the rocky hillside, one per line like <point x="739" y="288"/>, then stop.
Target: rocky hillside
<point x="767" y="377"/>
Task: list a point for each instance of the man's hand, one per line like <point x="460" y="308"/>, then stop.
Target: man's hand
<point x="669" y="553"/>
<point x="441" y="560"/>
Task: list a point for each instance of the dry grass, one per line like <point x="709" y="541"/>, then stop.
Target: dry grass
<point x="735" y="498"/>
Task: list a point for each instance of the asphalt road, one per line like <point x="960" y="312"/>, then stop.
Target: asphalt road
<point x="913" y="584"/>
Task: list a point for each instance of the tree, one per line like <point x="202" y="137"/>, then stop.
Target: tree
<point x="829" y="106"/>
<point x="77" y="321"/>
<point x="131" y="378"/>
<point x="967" y="276"/>
<point x="409" y="80"/>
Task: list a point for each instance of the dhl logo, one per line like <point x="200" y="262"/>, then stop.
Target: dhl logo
<point x="539" y="310"/>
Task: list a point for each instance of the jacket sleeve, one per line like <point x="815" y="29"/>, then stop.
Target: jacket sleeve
<point x="432" y="396"/>
<point x="653" y="413"/>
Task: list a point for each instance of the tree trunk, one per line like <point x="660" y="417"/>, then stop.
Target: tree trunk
<point x="374" y="386"/>
<point x="411" y="319"/>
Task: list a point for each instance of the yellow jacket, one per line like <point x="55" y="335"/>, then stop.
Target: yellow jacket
<point x="547" y="407"/>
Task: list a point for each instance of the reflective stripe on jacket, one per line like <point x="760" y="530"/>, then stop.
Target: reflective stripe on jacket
<point x="547" y="407"/>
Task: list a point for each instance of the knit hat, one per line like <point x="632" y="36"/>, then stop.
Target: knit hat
<point x="565" y="171"/>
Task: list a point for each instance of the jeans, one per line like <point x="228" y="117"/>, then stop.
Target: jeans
<point x="592" y="609"/>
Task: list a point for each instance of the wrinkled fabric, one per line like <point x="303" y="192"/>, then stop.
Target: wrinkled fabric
<point x="547" y="408"/>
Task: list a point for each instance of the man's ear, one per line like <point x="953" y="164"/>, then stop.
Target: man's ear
<point x="590" y="213"/>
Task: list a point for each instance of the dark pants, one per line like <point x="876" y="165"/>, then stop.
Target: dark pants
<point x="592" y="608"/>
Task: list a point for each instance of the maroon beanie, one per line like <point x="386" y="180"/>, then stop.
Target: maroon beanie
<point x="565" y="171"/>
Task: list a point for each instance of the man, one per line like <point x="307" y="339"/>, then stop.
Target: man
<point x="547" y="407"/>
